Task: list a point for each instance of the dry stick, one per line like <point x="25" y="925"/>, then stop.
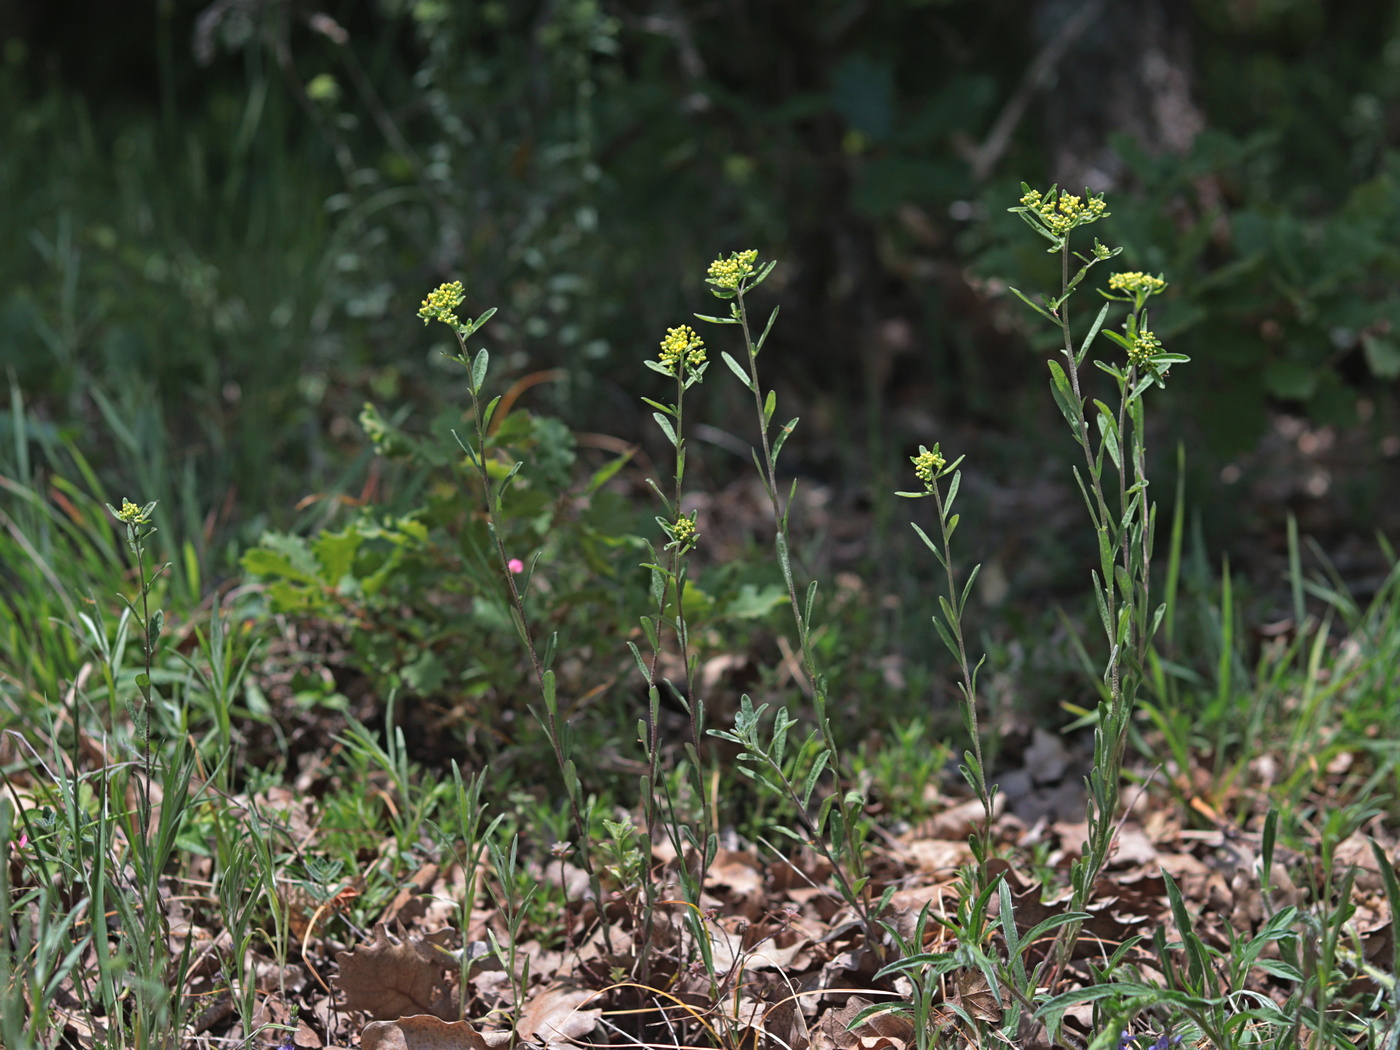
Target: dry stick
<point x="1038" y="74"/>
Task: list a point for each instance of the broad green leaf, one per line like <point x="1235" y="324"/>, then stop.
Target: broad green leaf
<point x="666" y="428"/>
<point x="479" y="366"/>
<point x="1064" y="395"/>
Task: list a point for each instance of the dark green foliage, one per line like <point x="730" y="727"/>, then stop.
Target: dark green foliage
<point x="413" y="582"/>
<point x="409" y="579"/>
<point x="226" y="266"/>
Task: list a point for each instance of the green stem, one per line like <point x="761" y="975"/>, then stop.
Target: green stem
<point x="492" y="503"/>
<point x="969" y="686"/>
<point x="146" y="644"/>
<point x="1062" y="312"/>
<point x="819" y="698"/>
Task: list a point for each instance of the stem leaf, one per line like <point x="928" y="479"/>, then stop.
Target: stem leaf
<point x="737" y="369"/>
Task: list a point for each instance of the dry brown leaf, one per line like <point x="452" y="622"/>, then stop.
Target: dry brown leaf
<point x="426" y="1032"/>
<point x="736" y="877"/>
<point x="888" y="1030"/>
<point x="935" y="856"/>
<point x="411" y="902"/>
<point x="554" y="1016"/>
<point x="959" y="821"/>
<point x="784" y="1027"/>
<point x="975" y="996"/>
<point x="396" y="975"/>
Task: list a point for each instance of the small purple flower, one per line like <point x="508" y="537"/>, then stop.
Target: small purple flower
<point x="516" y="566"/>
<point x="1163" y="1042"/>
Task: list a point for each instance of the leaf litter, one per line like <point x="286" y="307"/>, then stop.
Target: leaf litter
<point x="791" y="963"/>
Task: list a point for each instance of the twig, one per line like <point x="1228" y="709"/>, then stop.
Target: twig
<point x="984" y="158"/>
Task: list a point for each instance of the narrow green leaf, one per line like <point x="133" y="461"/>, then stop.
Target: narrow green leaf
<point x="1266" y="851"/>
<point x="780" y="543"/>
<point x="771" y="318"/>
<point x="948" y="639"/>
<point x="1036" y="306"/>
<point x="738" y="370"/>
<point x="1104" y="618"/>
<point x="1064" y="395"/>
<point x="465" y="447"/>
<point x="479" y="366"/>
<point x="949" y="613"/>
<point x="490" y="412"/>
<point x="927" y="542"/>
<point x="1124" y="581"/>
<point x="1089" y="339"/>
<point x="649" y="627"/>
<point x="1107" y="443"/>
<point x="1295" y="573"/>
<point x="607" y="471"/>
<point x="813" y="776"/>
<point x="787" y="507"/>
<point x="967" y="587"/>
<point x="783" y="434"/>
<point x="548" y="688"/>
<point x="666" y="428"/>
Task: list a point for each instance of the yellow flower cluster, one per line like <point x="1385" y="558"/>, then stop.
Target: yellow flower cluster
<point x="442" y="302"/>
<point x="131" y="514"/>
<point x="682" y="345"/>
<point x="1065" y="213"/>
<point x="1135" y="283"/>
<point x="1145" y="347"/>
<point x="727" y="273"/>
<point x="927" y="464"/>
<point x="683" y="531"/>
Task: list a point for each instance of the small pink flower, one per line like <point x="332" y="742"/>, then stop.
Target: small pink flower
<point x="516" y="565"/>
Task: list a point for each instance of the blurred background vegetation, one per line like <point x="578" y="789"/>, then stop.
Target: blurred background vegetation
<point x="220" y="218"/>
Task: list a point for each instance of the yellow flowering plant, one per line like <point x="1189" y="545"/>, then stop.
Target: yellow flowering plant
<point x="931" y="467"/>
<point x="838" y="828"/>
<point x="1119" y="508"/>
<point x="441" y="305"/>
<point x="682" y="359"/>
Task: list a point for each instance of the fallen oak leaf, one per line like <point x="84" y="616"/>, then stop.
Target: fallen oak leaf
<point x="554" y="1016"/>
<point x="426" y="1032"/>
<point x="397" y="975"/>
<point x="887" y="1030"/>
